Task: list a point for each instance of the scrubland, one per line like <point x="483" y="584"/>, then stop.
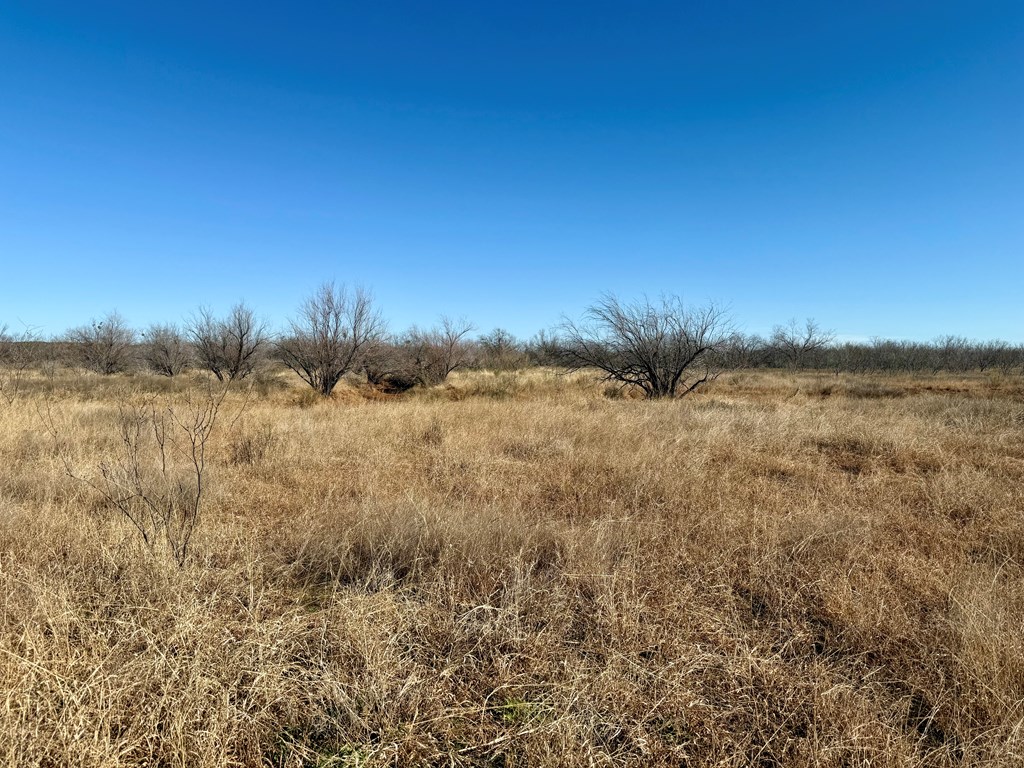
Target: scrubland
<point x="526" y="569"/>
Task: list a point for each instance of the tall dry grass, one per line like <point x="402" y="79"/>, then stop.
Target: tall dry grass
<point x="526" y="569"/>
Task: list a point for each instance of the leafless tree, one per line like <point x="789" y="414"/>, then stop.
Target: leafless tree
<point x="333" y="334"/>
<point x="390" y="368"/>
<point x="953" y="353"/>
<point x="105" y="346"/>
<point x="544" y="348"/>
<point x="742" y="351"/>
<point x="437" y="352"/>
<point x="6" y="342"/>
<point x="229" y="347"/>
<point x="165" y="349"/>
<point x="665" y="349"/>
<point x="16" y="359"/>
<point x="997" y="354"/>
<point x="501" y="350"/>
<point x="799" y="344"/>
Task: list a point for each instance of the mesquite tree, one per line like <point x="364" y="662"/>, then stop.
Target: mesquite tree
<point x="799" y="344"/>
<point x="435" y="353"/>
<point x="229" y="347"/>
<point x="165" y="350"/>
<point x="665" y="349"/>
<point x="332" y="335"/>
<point x="104" y="346"/>
<point x="16" y="358"/>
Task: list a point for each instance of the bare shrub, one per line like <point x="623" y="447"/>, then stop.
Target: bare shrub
<point x="231" y="347"/>
<point x="390" y="369"/>
<point x="741" y="350"/>
<point x="500" y="350"/>
<point x="156" y="478"/>
<point x="544" y="348"/>
<point x="104" y="346"/>
<point x="664" y="349"/>
<point x="799" y="344"/>
<point x="335" y="331"/>
<point x="420" y="357"/>
<point x="165" y="350"/>
<point x="435" y="353"/>
<point x="16" y="360"/>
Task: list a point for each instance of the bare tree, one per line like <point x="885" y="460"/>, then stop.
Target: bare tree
<point x="332" y="335"/>
<point x="165" y="349"/>
<point x="800" y="344"/>
<point x="389" y="367"/>
<point x="544" y="348"/>
<point x="105" y="346"/>
<point x="953" y="353"/>
<point x="16" y="359"/>
<point x="437" y="352"/>
<point x="230" y="347"/>
<point x="665" y="349"/>
<point x="742" y="351"/>
<point x="501" y="350"/>
<point x="996" y="354"/>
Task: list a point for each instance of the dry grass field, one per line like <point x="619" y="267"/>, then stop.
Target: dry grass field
<point x="525" y="569"/>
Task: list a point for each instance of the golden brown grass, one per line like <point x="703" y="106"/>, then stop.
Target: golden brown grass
<point x="527" y="569"/>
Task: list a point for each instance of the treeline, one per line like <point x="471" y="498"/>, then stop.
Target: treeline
<point x="948" y="354"/>
<point x="339" y="332"/>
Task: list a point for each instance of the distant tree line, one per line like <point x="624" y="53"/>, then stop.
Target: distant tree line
<point x="809" y="348"/>
<point x="662" y="348"/>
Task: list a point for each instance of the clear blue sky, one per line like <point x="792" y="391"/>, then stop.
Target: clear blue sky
<point x="860" y="163"/>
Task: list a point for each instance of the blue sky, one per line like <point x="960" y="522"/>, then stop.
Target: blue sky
<point x="860" y="163"/>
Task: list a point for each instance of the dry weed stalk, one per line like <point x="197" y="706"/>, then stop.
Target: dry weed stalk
<point x="156" y="479"/>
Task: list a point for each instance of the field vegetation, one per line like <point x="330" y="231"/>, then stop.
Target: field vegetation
<point x="513" y="568"/>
